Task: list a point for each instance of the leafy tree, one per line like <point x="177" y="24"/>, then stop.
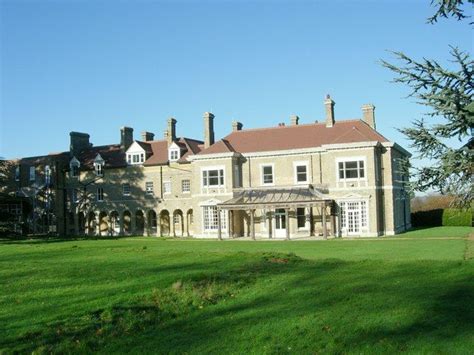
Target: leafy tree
<point x="449" y="94"/>
<point x="6" y="174"/>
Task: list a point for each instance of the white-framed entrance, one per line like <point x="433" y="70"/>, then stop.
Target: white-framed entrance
<point x="280" y="223"/>
<point x="354" y="217"/>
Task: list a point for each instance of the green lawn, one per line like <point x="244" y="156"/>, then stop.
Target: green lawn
<point x="410" y="293"/>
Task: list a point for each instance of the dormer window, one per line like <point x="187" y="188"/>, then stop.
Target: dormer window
<point x="136" y="154"/>
<point x="17" y="173"/>
<point x="174" y="154"/>
<point x="135" y="158"/>
<point x="99" y="165"/>
<point x="74" y="167"/>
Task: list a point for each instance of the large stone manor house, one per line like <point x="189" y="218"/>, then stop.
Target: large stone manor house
<point x="331" y="178"/>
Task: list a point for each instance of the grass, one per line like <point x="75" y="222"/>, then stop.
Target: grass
<point x="411" y="293"/>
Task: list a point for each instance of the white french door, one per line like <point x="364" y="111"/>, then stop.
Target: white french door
<point x="280" y="223"/>
<point x="353" y="216"/>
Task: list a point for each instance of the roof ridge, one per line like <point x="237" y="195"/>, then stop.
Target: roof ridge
<point x="294" y="126"/>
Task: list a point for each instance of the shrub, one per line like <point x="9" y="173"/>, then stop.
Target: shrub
<point x="432" y="218"/>
<point x="457" y="217"/>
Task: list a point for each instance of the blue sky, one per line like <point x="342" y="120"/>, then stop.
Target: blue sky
<point x="94" y="66"/>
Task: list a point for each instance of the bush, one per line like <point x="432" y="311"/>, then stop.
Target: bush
<point x="457" y="217"/>
<point x="431" y="218"/>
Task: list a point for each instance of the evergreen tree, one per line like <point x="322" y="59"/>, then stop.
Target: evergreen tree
<point x="449" y="95"/>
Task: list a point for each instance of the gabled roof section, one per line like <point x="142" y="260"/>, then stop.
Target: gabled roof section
<point x="145" y="146"/>
<point x="112" y="155"/>
<point x="295" y="137"/>
<point x="159" y="150"/>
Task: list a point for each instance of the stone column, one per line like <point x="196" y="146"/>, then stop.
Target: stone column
<point x="133" y="223"/>
<point x="287" y="220"/>
<point x="172" y="231"/>
<point x="219" y="226"/>
<point x="323" y="215"/>
<point x="252" y="224"/>
<point x="270" y="224"/>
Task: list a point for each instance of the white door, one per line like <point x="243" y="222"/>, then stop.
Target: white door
<point x="280" y="223"/>
<point x="354" y="217"/>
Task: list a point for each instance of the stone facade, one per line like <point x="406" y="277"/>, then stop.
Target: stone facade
<point x="179" y="186"/>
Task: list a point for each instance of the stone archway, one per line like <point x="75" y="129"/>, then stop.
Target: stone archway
<point x="190" y="222"/>
<point x="139" y="222"/>
<point x="178" y="225"/>
<point x="103" y="223"/>
<point x="91" y="224"/>
<point x="165" y="223"/>
<point x="152" y="223"/>
<point x="127" y="223"/>
<point x="114" y="220"/>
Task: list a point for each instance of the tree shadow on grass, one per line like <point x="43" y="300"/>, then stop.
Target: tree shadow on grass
<point x="280" y="300"/>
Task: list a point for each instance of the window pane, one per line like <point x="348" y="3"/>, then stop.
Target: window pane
<point x="341" y="170"/>
<point x="351" y="165"/>
<point x="301" y="173"/>
<point x="351" y="174"/>
<point x="267" y="174"/>
<point x="301" y="218"/>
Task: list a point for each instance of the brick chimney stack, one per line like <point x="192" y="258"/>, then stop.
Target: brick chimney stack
<point x="126" y="137"/>
<point x="147" y="136"/>
<point x="294" y="119"/>
<point x="208" y="129"/>
<point x="79" y="141"/>
<point x="368" y="115"/>
<point x="329" y="104"/>
<point x="171" y="130"/>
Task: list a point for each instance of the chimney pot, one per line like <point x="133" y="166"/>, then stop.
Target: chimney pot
<point x="236" y="126"/>
<point x="329" y="104"/>
<point x="368" y="115"/>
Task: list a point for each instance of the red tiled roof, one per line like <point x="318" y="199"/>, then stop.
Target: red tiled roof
<point x="113" y="156"/>
<point x="295" y="137"/>
<point x="160" y="150"/>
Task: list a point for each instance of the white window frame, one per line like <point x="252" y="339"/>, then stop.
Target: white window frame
<point x="305" y="214"/>
<point x="166" y="183"/>
<point x="296" y="164"/>
<point x="174" y="154"/>
<point x="210" y="222"/>
<point x="262" y="180"/>
<point x="99" y="169"/>
<point x="363" y="208"/>
<point x="149" y="188"/>
<point x="219" y="177"/>
<point x="32" y="173"/>
<point x="188" y="184"/>
<point x="124" y="192"/>
<point x="352" y="159"/>
<point x="100" y="194"/>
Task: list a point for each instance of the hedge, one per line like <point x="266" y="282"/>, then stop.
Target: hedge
<point x="456" y="217"/>
<point x="442" y="217"/>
